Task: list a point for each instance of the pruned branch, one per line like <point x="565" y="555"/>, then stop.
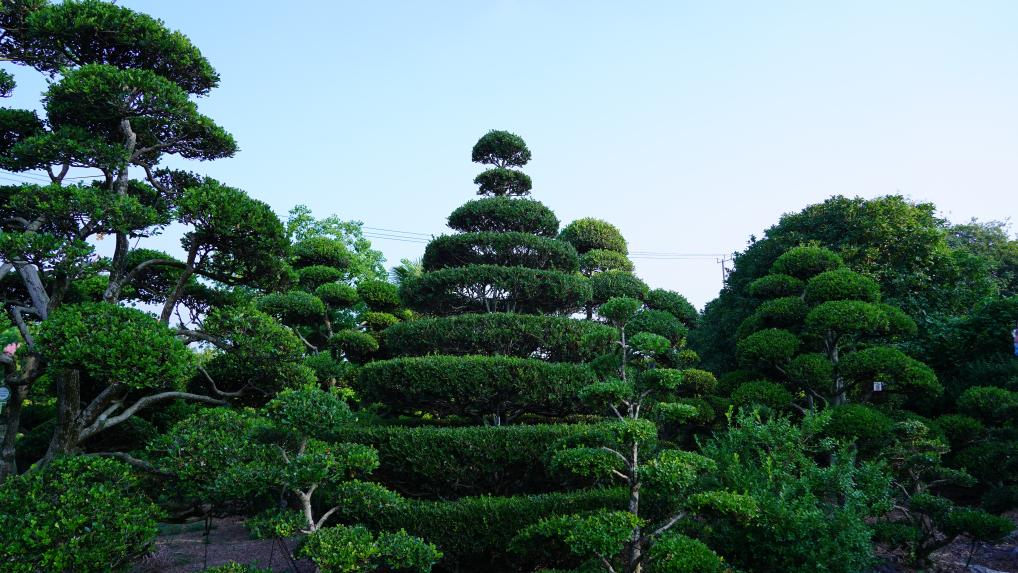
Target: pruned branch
<point x="133" y="462"/>
<point x="104" y="423"/>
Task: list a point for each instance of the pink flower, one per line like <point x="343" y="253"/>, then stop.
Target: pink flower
<point x="11" y="348"/>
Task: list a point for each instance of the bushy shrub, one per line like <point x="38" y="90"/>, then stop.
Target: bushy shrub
<point x="234" y="567"/>
<point x="762" y="393"/>
<point x="657" y="322"/>
<point x="612" y="284"/>
<point x="841" y="284"/>
<point x="342" y="549"/>
<point x="379" y="295"/>
<point x="114" y="344"/>
<point x="510" y="249"/>
<point x="767" y="347"/>
<point x="294" y="307"/>
<point x="601" y="260"/>
<point x="77" y="514"/>
<point x="354" y="345"/>
<point x="988" y="403"/>
<point x="868" y="427"/>
<point x="450" y="462"/>
<point x="805" y="262"/>
<point x="672" y="303"/>
<point x="316" y="275"/>
<point x="588" y="234"/>
<point x="553" y="338"/>
<point x="475" y="532"/>
<point x="504" y="214"/>
<point x="321" y="251"/>
<point x="680" y="554"/>
<point x="776" y="285"/>
<point x="475" y="386"/>
<point x="487" y="288"/>
<point x="337" y="295"/>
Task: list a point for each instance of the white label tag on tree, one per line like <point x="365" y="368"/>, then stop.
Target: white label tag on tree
<point x="878" y="386"/>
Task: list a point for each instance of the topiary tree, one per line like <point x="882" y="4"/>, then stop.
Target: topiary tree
<point x="117" y="106"/>
<point x="503" y="150"/>
<point x="822" y="331"/>
<point x="661" y="483"/>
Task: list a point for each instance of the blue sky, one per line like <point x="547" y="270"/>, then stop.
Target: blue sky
<point x="690" y="125"/>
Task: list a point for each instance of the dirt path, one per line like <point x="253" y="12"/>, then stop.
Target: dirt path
<point x="182" y="549"/>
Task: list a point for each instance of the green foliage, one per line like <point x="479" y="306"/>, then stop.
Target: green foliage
<point x="613" y="284"/>
<point x="871" y="429"/>
<point x="77" y="514"/>
<point x="474" y="532"/>
<point x="292" y="308"/>
<point x="785" y="312"/>
<point x="588" y="234"/>
<point x="49" y="37"/>
<point x="113" y="344"/>
<point x="988" y="403"/>
<point x="234" y="567"/>
<point x="767" y="347"/>
<point x="474" y="386"/>
<point x="354" y="345"/>
<point x="486" y="288"/>
<point x="364" y="261"/>
<point x="847" y="316"/>
<point x="619" y="310"/>
<point x="504" y="215"/>
<point x="810" y="517"/>
<point x="680" y="554"/>
<point x="316" y="275"/>
<point x="657" y="322"/>
<point x="672" y="303"/>
<point x="762" y="393"/>
<point x="500" y="182"/>
<point x="806" y="262"/>
<point x="500" y="148"/>
<point x="776" y="285"/>
<point x="510" y="249"/>
<point x="308" y="411"/>
<point x="439" y="461"/>
<point x="379" y="295"/>
<point x="337" y="295"/>
<point x="354" y="549"/>
<point x="901" y="372"/>
<point x="553" y="338"/>
<point x="321" y="251"/>
<point x="841" y="284"/>
<point x="601" y="260"/>
<point x="597" y="534"/>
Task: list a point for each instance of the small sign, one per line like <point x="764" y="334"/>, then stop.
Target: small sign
<point x="878" y="386"/>
<point x="5" y="393"/>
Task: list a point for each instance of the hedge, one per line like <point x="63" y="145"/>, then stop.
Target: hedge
<point x="475" y="386"/>
<point x="475" y="532"/>
<point x="510" y="249"/>
<point x="488" y="288"/>
<point x="504" y="214"/>
<point x="553" y="338"/>
<point x="451" y="462"/>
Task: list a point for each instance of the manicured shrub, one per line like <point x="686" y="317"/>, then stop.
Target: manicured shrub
<point x="321" y="251"/>
<point x="294" y="307"/>
<point x="776" y="285"/>
<point x="657" y="322"/>
<point x="475" y="386"/>
<point x="553" y="338"/>
<point x="900" y="372"/>
<point x="841" y="284"/>
<point x="337" y="295"/>
<point x="316" y="275"/>
<point x="960" y="430"/>
<point x="762" y="393"/>
<point x="501" y="148"/>
<point x="805" y="262"/>
<point x="601" y="260"/>
<point x="680" y="554"/>
<point x="376" y="322"/>
<point x="510" y="249"/>
<point x="988" y="403"/>
<point x="672" y="303"/>
<point x="114" y="344"/>
<point x="379" y="295"/>
<point x="615" y="284"/>
<point x="354" y="345"/>
<point x="767" y="347"/>
<point x="450" y="462"/>
<point x="869" y="428"/>
<point x="234" y="567"/>
<point x="342" y="549"/>
<point x="486" y="288"/>
<point x="504" y="214"/>
<point x="475" y="532"/>
<point x="588" y="234"/>
<point x="77" y="514"/>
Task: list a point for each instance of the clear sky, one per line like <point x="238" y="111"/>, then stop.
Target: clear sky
<point x="690" y="125"/>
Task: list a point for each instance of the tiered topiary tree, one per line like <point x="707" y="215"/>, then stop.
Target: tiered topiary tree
<point x="822" y="333"/>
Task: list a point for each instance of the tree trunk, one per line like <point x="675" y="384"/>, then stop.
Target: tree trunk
<point x="66" y="434"/>
<point x="8" y="451"/>
<point x="634" y="559"/>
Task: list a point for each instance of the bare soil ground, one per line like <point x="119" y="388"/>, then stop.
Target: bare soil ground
<point x="182" y="549"/>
